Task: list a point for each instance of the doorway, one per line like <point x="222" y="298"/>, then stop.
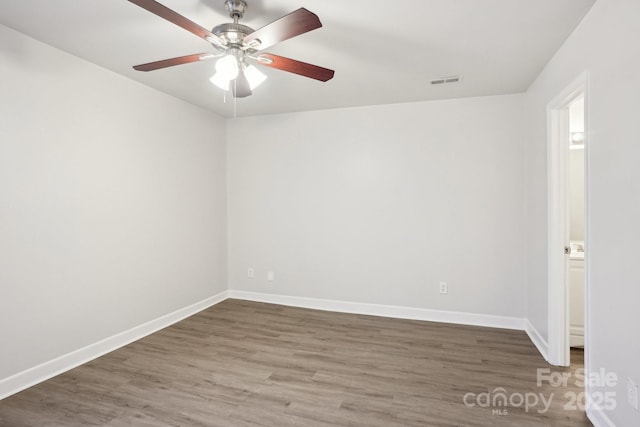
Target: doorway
<point x="575" y="194"/>
<point x="563" y="245"/>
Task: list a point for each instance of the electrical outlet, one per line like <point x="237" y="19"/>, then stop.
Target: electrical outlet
<point x="632" y="394"/>
<point x="444" y="288"/>
<point x="251" y="273"/>
<point x="270" y="276"/>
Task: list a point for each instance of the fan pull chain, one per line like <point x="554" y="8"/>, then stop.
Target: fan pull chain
<point x="235" y="98"/>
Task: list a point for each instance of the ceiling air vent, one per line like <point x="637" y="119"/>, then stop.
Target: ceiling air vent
<point x="446" y="80"/>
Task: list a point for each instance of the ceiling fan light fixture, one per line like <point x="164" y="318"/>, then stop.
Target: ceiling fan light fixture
<point x="228" y="67"/>
<point x="254" y="76"/>
<point x="221" y="81"/>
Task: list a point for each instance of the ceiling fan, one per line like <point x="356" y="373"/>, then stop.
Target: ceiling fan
<point x="238" y="46"/>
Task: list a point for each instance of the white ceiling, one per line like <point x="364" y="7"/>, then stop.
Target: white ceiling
<point x="383" y="51"/>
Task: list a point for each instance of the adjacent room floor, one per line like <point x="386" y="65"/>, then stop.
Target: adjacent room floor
<point x="246" y="363"/>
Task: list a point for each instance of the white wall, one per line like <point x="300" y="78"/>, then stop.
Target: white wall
<point x="605" y="44"/>
<point x="379" y="204"/>
<point x="112" y="203"/>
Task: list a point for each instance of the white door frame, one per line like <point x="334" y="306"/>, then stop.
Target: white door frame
<point x="558" y="221"/>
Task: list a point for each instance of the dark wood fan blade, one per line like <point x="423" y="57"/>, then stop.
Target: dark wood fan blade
<point x="296" y="67"/>
<point x="173" y="61"/>
<point x="174" y="17"/>
<point x="291" y="25"/>
<point x="240" y="86"/>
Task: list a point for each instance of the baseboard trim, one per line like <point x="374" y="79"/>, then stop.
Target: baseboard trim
<point x="51" y="368"/>
<point x="384" y="310"/>
<point x="598" y="416"/>
<point x="537" y="339"/>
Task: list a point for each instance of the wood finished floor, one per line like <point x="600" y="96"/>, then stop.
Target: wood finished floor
<point x="245" y="363"/>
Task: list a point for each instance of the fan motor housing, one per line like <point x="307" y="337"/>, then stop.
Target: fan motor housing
<point x="233" y="33"/>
